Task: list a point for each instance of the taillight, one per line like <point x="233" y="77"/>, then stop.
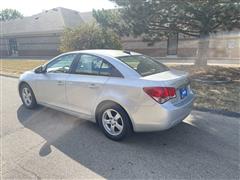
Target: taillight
<point x="161" y="94"/>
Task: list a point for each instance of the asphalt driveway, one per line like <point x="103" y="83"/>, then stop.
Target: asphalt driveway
<point x="45" y="143"/>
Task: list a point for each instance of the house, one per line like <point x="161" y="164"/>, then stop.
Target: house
<point x="39" y="35"/>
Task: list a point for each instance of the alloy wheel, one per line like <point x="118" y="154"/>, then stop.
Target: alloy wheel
<point x="112" y="122"/>
<point x="27" y="96"/>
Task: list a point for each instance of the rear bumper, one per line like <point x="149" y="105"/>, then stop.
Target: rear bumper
<point x="161" y="116"/>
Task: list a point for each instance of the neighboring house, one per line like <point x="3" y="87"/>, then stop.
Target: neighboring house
<point x="39" y="35"/>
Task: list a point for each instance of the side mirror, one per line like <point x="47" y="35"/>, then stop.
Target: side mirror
<point x="40" y="69"/>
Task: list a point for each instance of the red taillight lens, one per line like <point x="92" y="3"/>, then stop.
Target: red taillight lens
<point x="161" y="94"/>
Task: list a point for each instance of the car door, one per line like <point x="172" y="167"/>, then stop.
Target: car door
<point x="51" y="83"/>
<point x="86" y="83"/>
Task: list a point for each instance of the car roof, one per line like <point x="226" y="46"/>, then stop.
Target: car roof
<point x="107" y="52"/>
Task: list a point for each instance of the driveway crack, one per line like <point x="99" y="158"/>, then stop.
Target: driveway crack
<point x="31" y="172"/>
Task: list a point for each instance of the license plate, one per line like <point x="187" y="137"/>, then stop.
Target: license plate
<point x="183" y="92"/>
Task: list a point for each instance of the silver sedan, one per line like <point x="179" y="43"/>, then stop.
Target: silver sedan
<point x="122" y="91"/>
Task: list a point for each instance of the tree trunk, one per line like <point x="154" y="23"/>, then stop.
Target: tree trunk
<point x="202" y="53"/>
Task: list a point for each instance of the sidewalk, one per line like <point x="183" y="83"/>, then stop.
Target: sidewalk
<point x="190" y="61"/>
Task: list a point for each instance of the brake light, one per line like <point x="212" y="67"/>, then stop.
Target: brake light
<point x="160" y="94"/>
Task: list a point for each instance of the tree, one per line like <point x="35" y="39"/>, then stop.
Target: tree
<point x="89" y="36"/>
<point x="198" y="18"/>
<point x="9" y="14"/>
<point x="112" y="19"/>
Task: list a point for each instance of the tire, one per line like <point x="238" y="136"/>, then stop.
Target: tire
<point x="27" y="96"/>
<point x="114" y="121"/>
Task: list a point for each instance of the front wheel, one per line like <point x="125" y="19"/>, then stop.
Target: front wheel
<point x="114" y="122"/>
<point x="27" y="96"/>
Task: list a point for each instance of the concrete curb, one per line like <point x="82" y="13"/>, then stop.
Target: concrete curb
<point x="9" y="75"/>
<point x="218" y="112"/>
<point x="212" y="81"/>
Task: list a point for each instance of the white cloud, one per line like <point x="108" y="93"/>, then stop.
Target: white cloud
<point x="30" y="7"/>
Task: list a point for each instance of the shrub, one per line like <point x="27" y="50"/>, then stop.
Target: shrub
<point x="89" y="36"/>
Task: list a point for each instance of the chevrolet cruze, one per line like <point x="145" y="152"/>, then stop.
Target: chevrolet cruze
<point x="121" y="91"/>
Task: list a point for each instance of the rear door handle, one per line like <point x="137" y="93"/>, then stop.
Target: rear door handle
<point x="92" y="86"/>
<point x="60" y="83"/>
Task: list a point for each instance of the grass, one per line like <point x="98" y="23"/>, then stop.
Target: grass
<point x="17" y="67"/>
<point x="218" y="97"/>
<point x="223" y="97"/>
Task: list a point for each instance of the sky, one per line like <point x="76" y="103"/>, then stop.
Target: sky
<point x="30" y="7"/>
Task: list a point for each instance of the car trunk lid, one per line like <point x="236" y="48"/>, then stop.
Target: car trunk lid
<point x="173" y="78"/>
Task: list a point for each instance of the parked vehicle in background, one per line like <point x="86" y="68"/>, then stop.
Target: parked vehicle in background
<point x="121" y="91"/>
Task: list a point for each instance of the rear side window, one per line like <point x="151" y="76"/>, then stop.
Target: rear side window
<point x="93" y="65"/>
<point x="105" y="69"/>
<point x="144" y="65"/>
<point x="89" y="65"/>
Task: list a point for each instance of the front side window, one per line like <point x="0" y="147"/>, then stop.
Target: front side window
<point x="93" y="65"/>
<point x="61" y="64"/>
<point x="144" y="65"/>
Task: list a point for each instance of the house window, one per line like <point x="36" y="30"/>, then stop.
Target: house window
<point x="172" y="45"/>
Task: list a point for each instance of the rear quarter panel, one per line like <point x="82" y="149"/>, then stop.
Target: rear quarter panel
<point x="126" y="92"/>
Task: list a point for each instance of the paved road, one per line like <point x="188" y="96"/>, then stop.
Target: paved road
<point x="45" y="143"/>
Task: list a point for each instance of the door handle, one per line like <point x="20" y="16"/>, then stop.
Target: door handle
<point x="60" y="83"/>
<point x="92" y="86"/>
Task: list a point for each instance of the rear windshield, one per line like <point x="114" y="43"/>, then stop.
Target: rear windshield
<point x="144" y="65"/>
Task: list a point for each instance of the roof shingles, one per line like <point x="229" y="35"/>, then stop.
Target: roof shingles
<point x="50" y="21"/>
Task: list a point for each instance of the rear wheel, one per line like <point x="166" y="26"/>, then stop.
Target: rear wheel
<point x="27" y="96"/>
<point x="114" y="121"/>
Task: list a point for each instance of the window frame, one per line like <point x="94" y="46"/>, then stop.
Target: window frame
<point x="56" y="59"/>
<point x="117" y="74"/>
